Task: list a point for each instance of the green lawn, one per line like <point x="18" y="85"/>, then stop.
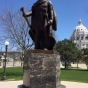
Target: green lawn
<point x="16" y="73"/>
<point x="13" y="73"/>
<point x="76" y="75"/>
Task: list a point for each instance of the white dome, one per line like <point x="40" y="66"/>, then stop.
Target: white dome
<point x="80" y="28"/>
<point x="80" y="32"/>
<point x="80" y="36"/>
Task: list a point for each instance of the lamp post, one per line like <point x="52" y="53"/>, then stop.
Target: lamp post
<point x="22" y="57"/>
<point x="4" y="74"/>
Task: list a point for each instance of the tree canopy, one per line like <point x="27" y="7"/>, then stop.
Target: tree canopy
<point x="85" y="53"/>
<point x="67" y="50"/>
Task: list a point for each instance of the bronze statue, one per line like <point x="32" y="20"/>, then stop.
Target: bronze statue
<point x="43" y="23"/>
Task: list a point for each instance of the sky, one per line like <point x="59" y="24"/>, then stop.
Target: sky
<point x="68" y="12"/>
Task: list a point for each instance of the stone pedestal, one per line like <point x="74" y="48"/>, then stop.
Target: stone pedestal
<point x="41" y="69"/>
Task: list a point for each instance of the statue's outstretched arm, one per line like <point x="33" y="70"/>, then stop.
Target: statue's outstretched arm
<point x="29" y="13"/>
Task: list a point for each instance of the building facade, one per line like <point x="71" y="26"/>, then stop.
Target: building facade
<point x="10" y="55"/>
<point x="80" y="36"/>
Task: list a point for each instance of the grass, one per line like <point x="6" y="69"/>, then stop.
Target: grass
<point x="16" y="73"/>
<point x="13" y="73"/>
<point x="76" y="75"/>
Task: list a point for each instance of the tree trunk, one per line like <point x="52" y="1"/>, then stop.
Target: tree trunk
<point x="65" y="65"/>
<point x="87" y="67"/>
<point x="0" y="63"/>
<point x="77" y="64"/>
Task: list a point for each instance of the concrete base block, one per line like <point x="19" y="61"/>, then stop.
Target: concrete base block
<point x="22" y="86"/>
<point x="41" y="69"/>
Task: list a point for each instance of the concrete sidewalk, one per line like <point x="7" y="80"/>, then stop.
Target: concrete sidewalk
<point x="10" y="84"/>
<point x="68" y="84"/>
<point x="18" y="63"/>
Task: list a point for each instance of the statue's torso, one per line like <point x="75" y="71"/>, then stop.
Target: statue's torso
<point x="39" y="15"/>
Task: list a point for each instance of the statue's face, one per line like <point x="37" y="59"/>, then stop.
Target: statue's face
<point x="40" y="0"/>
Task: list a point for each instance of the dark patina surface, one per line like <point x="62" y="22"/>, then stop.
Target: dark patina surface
<point x="43" y="23"/>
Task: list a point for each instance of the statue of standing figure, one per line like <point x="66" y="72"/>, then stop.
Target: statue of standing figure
<point x="43" y="24"/>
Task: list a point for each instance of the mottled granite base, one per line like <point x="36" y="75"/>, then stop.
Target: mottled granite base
<point x="41" y="69"/>
<point x="22" y="86"/>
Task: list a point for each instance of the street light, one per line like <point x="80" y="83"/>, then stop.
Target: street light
<point x="22" y="57"/>
<point x="4" y="74"/>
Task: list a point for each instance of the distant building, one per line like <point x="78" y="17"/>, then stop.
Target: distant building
<point x="11" y="55"/>
<point x="80" y="36"/>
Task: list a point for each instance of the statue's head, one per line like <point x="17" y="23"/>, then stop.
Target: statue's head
<point x="40" y="0"/>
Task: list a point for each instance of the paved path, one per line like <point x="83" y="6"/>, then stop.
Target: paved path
<point x="69" y="84"/>
<point x="80" y="66"/>
<point x="18" y="63"/>
<point x="10" y="84"/>
<point x="14" y="84"/>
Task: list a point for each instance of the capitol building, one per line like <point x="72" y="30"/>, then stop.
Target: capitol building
<point x="80" y="36"/>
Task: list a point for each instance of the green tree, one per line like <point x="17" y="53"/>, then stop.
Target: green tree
<point x="85" y="53"/>
<point x="67" y="50"/>
<point x="79" y="56"/>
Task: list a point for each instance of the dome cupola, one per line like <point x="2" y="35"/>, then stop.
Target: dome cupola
<point x="80" y="28"/>
<point x="79" y="22"/>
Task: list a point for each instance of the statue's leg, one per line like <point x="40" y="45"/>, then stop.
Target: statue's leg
<point x="42" y="40"/>
<point x="46" y="33"/>
<point x="47" y="42"/>
<point x="37" y="39"/>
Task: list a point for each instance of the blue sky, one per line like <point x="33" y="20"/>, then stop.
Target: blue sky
<point x="68" y="12"/>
